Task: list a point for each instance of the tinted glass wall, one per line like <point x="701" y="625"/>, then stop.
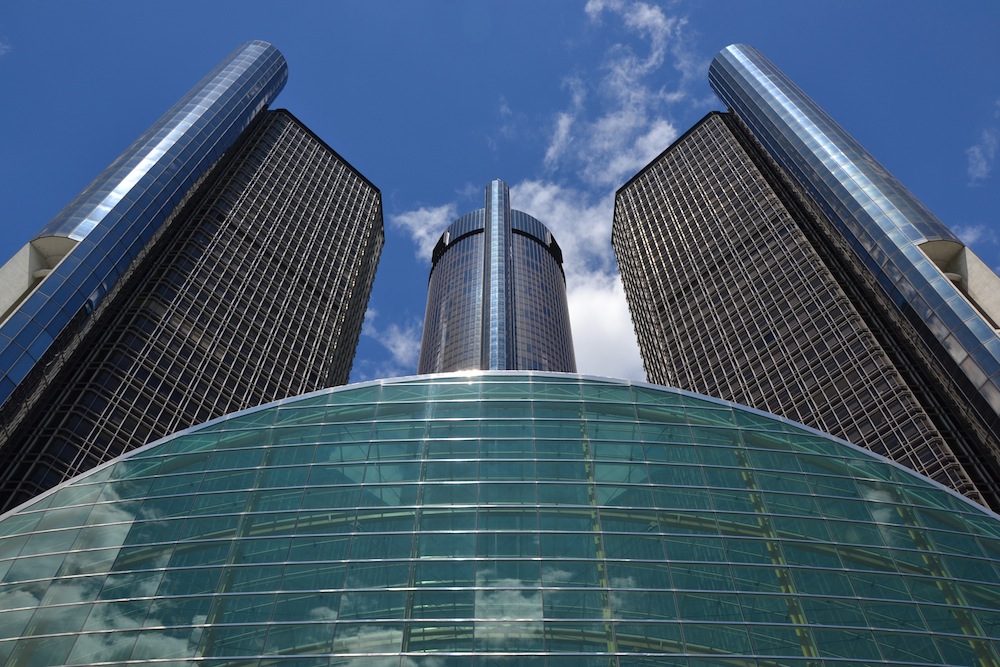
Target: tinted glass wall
<point x="515" y="518"/>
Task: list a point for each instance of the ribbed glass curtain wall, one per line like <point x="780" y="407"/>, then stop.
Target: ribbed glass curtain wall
<point x="500" y="518"/>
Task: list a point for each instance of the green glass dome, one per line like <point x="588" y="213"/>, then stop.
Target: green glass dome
<point x="500" y="519"/>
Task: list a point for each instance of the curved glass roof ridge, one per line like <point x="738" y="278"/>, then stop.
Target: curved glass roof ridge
<point x="527" y="518"/>
<point x="878" y="216"/>
<point x="471" y="376"/>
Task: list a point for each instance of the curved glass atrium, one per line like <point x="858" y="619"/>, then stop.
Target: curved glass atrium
<point x="500" y="519"/>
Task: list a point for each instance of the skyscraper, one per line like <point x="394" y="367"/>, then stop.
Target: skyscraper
<point x="496" y="298"/>
<point x="769" y="259"/>
<point x="224" y="260"/>
<point x="516" y="518"/>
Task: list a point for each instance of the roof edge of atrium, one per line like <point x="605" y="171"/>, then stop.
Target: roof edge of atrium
<point x="475" y="374"/>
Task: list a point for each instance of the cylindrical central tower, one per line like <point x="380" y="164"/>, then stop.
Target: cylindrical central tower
<point x="497" y="294"/>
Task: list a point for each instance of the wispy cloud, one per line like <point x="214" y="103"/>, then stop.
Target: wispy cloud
<point x="623" y="124"/>
<point x="5" y="48"/>
<point x="982" y="155"/>
<point x="425" y="225"/>
<point x="402" y="341"/>
<point x="976" y="234"/>
<point x="560" y="138"/>
<point x="561" y="135"/>
<point x="506" y="127"/>
<point x="580" y="221"/>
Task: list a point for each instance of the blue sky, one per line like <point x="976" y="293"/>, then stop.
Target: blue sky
<point x="563" y="100"/>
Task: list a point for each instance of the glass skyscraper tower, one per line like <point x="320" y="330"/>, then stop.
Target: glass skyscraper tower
<point x="769" y="259"/>
<point x="497" y="294"/>
<point x="78" y="258"/>
<point x="224" y="260"/>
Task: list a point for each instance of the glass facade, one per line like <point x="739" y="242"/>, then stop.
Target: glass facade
<point x="114" y="218"/>
<point x="883" y="223"/>
<point x="770" y="260"/>
<point x="226" y="312"/>
<point x="497" y="294"/>
<point x="500" y="518"/>
<point x="710" y="242"/>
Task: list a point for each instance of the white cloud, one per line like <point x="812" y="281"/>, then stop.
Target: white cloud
<point x="401" y="341"/>
<point x="560" y="137"/>
<point x="425" y="225"/>
<point x="582" y="227"/>
<point x="369" y="638"/>
<point x="982" y="155"/>
<point x="470" y="191"/>
<point x="645" y="147"/>
<point x="628" y="127"/>
<point x="5" y="48"/>
<point x="506" y="600"/>
<point x="64" y="597"/>
<point x="603" y="336"/>
<point x="976" y="234"/>
<point x="506" y="127"/>
<point x="323" y="614"/>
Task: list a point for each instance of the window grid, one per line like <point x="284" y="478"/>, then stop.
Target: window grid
<point x="260" y="294"/>
<point x="573" y="518"/>
<point x="730" y="299"/>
